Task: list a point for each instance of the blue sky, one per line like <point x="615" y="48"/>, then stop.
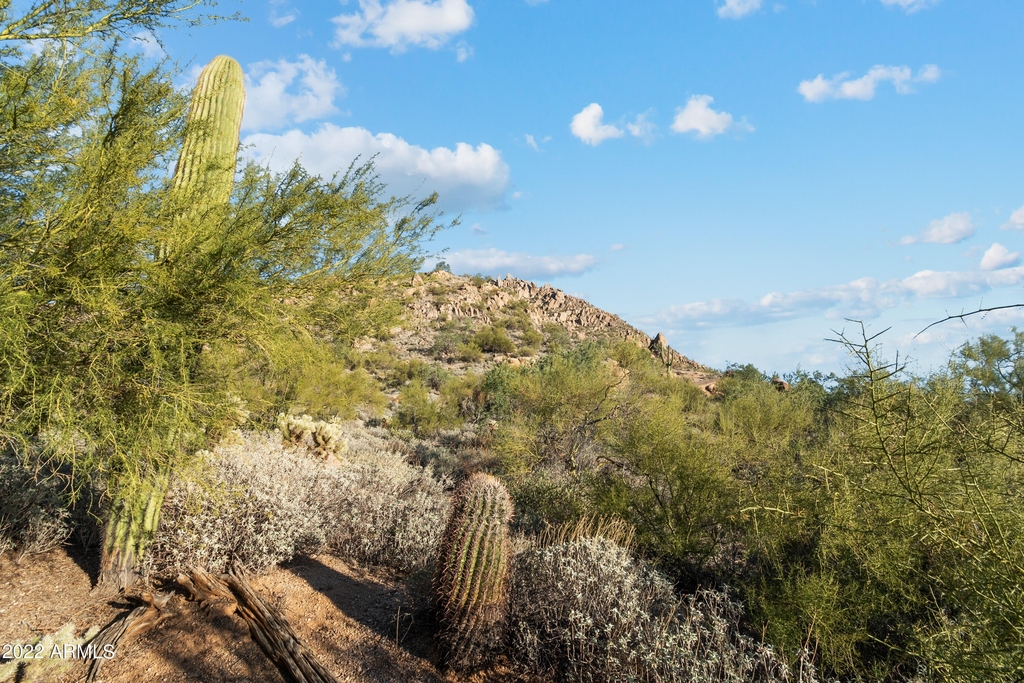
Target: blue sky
<point x="742" y="175"/>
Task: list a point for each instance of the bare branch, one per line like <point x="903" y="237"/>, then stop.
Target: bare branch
<point x="962" y="316"/>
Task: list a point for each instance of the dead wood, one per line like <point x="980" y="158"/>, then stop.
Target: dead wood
<point x="267" y="625"/>
<point x="127" y="627"/>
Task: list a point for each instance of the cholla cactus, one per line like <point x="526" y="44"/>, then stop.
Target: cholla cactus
<point x="295" y="428"/>
<point x="328" y="438"/>
<point x="472" y="573"/>
<point x="210" y="147"/>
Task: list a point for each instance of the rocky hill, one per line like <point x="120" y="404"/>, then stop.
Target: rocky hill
<point x="442" y="309"/>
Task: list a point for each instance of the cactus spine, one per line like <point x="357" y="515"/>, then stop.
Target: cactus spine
<point x="210" y="147"/>
<point x="472" y="573"/>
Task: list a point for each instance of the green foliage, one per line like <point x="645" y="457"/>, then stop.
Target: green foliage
<point x="556" y="336"/>
<point x="679" y="494"/>
<point x="493" y="339"/>
<point x="446" y="344"/>
<point x="103" y="372"/>
<point x="472" y="573"/>
<point x="531" y="338"/>
<point x="551" y="409"/>
<point x="469" y="352"/>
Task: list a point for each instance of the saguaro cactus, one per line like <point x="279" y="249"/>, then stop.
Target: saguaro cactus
<point x="203" y="178"/>
<point x="210" y="147"/>
<point x="472" y="573"/>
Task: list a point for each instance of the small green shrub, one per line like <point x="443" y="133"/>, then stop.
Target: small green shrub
<point x="556" y="336"/>
<point x="446" y="344"/>
<point x="493" y="339"/>
<point x="531" y="337"/>
<point x="470" y="352"/>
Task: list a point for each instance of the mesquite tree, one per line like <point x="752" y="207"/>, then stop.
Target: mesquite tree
<point x="115" y="275"/>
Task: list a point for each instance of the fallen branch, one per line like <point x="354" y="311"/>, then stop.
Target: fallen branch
<point x="266" y="624"/>
<point x="129" y="626"/>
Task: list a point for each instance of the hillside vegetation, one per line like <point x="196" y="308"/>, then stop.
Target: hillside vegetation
<point x="206" y="371"/>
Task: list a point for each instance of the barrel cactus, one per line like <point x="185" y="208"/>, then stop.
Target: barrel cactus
<point x="472" y="574"/>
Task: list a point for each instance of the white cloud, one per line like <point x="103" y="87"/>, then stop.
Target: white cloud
<point x="588" y="126"/>
<point x="279" y="20"/>
<point x="617" y="247"/>
<point x="1016" y="221"/>
<point x="401" y="23"/>
<point x="532" y="142"/>
<point x="465" y="176"/>
<point x="269" y="104"/>
<point x="861" y="299"/>
<point x="842" y="87"/>
<point x="463" y="51"/>
<point x="499" y="262"/>
<point x="148" y="44"/>
<point x="641" y="126"/>
<point x="910" y="6"/>
<point x="698" y="117"/>
<point x="478" y="229"/>
<point x="956" y="227"/>
<point x="736" y="9"/>
<point x="997" y="256"/>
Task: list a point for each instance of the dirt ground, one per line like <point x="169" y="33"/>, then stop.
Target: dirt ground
<point x="363" y="627"/>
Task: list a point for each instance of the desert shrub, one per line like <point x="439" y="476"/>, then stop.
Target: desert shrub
<point x="262" y="501"/>
<point x="434" y="376"/>
<point x="417" y="411"/>
<point x="531" y="338"/>
<point x="446" y="344"/>
<point x="255" y="506"/>
<point x="470" y="352"/>
<point x="387" y="513"/>
<point x="587" y="611"/>
<point x="556" y="336"/>
<point x="478" y="280"/>
<point x="493" y="339"/>
<point x="34" y="518"/>
<point x="550" y="411"/>
<point x="544" y="498"/>
<point x="319" y="379"/>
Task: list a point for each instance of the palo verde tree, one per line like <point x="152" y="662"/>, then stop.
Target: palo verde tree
<point x="115" y="276"/>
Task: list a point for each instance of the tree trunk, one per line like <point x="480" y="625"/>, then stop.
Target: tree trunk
<point x="130" y="528"/>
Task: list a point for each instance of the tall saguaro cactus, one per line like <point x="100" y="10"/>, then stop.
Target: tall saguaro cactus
<point x="210" y="147"/>
<point x="472" y="573"/>
<point x="203" y="179"/>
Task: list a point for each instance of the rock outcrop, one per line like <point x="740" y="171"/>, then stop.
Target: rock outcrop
<point x="441" y="295"/>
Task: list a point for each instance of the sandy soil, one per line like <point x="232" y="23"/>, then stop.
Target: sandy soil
<point x="364" y="627"/>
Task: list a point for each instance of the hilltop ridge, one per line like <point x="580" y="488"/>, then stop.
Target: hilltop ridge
<point x="439" y="300"/>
